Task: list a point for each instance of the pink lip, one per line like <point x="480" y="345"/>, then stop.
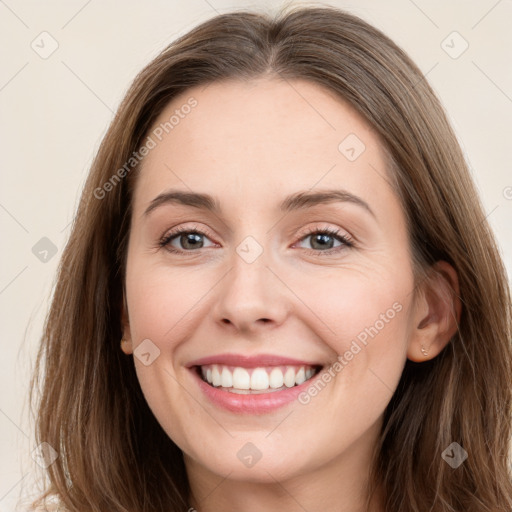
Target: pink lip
<point x="251" y="361"/>
<point x="251" y="404"/>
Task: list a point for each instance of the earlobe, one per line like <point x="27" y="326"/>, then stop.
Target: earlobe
<point x="126" y="343"/>
<point x="437" y="315"/>
<point x="126" y="346"/>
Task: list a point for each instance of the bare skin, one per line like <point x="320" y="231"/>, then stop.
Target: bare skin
<point x="250" y="145"/>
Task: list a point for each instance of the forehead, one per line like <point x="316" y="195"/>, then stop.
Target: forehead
<point x="260" y="138"/>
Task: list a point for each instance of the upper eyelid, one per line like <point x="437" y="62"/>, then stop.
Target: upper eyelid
<point x="310" y="230"/>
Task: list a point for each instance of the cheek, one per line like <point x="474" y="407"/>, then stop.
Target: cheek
<point x="358" y="305"/>
<point x="161" y="303"/>
<point x="363" y="317"/>
<point x="162" y="299"/>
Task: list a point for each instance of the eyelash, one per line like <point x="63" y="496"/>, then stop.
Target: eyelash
<point x="335" y="233"/>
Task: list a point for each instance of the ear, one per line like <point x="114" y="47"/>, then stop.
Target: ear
<point x="437" y="311"/>
<point x="126" y="343"/>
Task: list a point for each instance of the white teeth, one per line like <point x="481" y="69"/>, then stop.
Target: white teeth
<point x="256" y="379"/>
<point x="241" y="378"/>
<point x="259" y="379"/>
<point x="215" y="376"/>
<point x="300" y="377"/>
<point x="289" y="378"/>
<point x="226" y="379"/>
<point x="276" y="378"/>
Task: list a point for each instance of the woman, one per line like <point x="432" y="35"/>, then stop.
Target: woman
<point x="281" y="230"/>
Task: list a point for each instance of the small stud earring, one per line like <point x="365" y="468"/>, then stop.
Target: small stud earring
<point x="424" y="351"/>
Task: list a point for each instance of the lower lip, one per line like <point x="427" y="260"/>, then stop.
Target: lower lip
<point x="260" y="403"/>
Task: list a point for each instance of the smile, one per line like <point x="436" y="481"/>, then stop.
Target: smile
<point x="252" y="384"/>
<point x="237" y="379"/>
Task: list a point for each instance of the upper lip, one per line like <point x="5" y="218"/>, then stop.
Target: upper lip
<point x="251" y="361"/>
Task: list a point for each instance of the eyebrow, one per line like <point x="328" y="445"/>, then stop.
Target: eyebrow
<point x="297" y="201"/>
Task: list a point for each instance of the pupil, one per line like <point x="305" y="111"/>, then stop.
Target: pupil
<point x="191" y="238"/>
<point x="321" y="238"/>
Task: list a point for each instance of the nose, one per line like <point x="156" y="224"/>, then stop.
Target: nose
<point x="251" y="297"/>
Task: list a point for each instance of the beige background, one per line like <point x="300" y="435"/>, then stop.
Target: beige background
<point x="55" y="110"/>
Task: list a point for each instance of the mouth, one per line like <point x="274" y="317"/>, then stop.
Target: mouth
<point x="253" y="384"/>
<point x="254" y="381"/>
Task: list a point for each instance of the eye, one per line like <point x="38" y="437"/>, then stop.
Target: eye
<point x="189" y="239"/>
<point x="322" y="240"/>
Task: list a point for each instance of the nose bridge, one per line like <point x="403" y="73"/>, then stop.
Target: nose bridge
<point x="251" y="292"/>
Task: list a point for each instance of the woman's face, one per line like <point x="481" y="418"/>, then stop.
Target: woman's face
<point x="260" y="278"/>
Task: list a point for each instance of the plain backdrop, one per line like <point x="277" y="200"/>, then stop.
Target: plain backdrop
<point x="67" y="64"/>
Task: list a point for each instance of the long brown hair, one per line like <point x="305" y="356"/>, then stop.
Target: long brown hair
<point x="113" y="454"/>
